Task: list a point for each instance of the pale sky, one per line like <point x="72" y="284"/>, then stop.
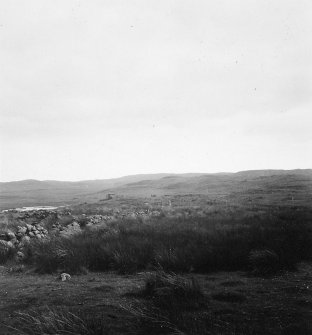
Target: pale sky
<point x="95" y="89"/>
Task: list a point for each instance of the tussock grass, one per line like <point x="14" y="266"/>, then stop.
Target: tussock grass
<point x="180" y="245"/>
<point x="151" y="320"/>
<point x="169" y="289"/>
<point x="51" y="321"/>
<point x="6" y="253"/>
<point x="264" y="262"/>
<point x="177" y="305"/>
<point x="174" y="300"/>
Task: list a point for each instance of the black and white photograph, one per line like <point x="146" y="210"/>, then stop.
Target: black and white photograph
<point x="155" y="167"/>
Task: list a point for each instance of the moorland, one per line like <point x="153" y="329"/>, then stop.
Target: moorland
<point x="226" y="253"/>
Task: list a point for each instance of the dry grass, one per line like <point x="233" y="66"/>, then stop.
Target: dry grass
<point x="49" y="321"/>
<point x="271" y="306"/>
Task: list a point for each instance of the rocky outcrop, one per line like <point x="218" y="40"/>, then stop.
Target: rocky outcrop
<point x="23" y="235"/>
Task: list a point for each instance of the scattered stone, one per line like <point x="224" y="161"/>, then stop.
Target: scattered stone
<point x="10" y="244"/>
<point x="10" y="235"/>
<point x="21" y="230"/>
<point x="19" y="235"/>
<point x="65" y="276"/>
<point x="25" y="240"/>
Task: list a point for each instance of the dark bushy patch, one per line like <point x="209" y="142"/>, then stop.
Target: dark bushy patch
<point x="181" y="245"/>
<point x="229" y="296"/>
<point x="172" y="302"/>
<point x="6" y="253"/>
<point x="71" y="255"/>
<point x="169" y="291"/>
<point x="264" y="262"/>
<point x="132" y="252"/>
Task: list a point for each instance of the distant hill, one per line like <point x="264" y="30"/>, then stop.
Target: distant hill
<point x="50" y="192"/>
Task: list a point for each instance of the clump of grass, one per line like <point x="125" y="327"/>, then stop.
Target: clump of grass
<point x="7" y="253"/>
<point x="229" y="296"/>
<point x="73" y="255"/>
<point x="51" y="321"/>
<point x="175" y="305"/>
<point x="51" y="255"/>
<point x="152" y="320"/>
<point x="264" y="262"/>
<point x="168" y="290"/>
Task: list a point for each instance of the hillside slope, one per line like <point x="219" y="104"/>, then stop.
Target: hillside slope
<point x="289" y="184"/>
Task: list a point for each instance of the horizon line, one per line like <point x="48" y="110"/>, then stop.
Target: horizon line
<point x="143" y="174"/>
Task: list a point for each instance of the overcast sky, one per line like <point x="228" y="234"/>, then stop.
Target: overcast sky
<point x="98" y="89"/>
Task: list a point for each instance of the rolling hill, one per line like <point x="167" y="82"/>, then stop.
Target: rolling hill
<point x="285" y="184"/>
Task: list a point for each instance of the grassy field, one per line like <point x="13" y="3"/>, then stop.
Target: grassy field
<point x="232" y="303"/>
<point x="263" y="186"/>
<point x="234" y="262"/>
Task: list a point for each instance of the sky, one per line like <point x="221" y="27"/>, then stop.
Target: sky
<point x="94" y="89"/>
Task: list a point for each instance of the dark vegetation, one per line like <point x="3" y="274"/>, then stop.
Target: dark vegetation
<point x="6" y="255"/>
<point x="172" y="301"/>
<point x="255" y="227"/>
<point x="265" y="246"/>
<point x="55" y="321"/>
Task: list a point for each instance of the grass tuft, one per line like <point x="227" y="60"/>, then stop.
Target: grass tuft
<point x="51" y="321"/>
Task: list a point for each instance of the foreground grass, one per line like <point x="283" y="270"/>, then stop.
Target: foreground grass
<point x="151" y="303"/>
<point x="55" y="321"/>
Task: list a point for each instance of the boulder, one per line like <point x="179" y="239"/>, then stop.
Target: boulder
<point x="19" y="235"/>
<point x="10" y="235"/>
<point x="21" y="230"/>
<point x="65" y="276"/>
<point x="10" y="244"/>
<point x="4" y="246"/>
<point x="25" y="240"/>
